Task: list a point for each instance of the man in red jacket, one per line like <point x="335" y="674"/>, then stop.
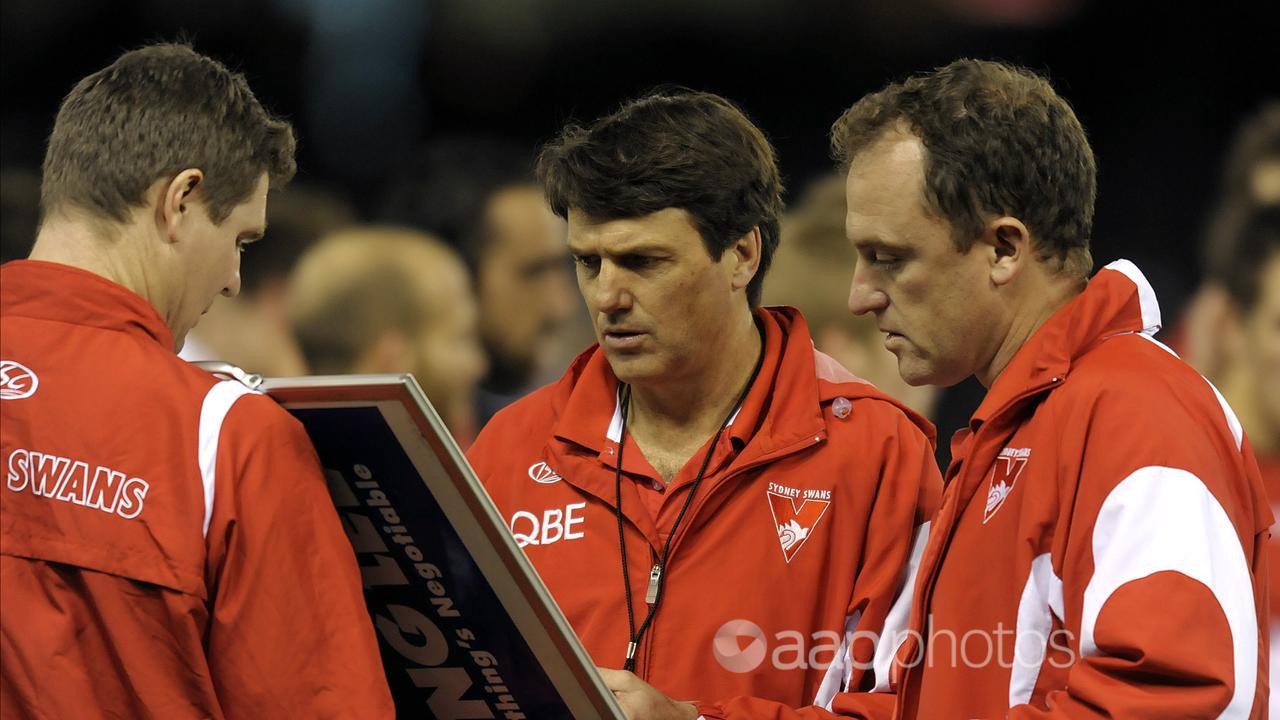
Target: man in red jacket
<point x="721" y="511"/>
<point x="1100" y="549"/>
<point x="167" y="545"/>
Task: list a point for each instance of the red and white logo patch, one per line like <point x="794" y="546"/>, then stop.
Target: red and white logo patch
<point x="1004" y="476"/>
<point x="17" y="381"/>
<point x="795" y="515"/>
<point x="541" y="473"/>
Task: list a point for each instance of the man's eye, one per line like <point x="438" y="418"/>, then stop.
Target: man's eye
<point x="590" y="262"/>
<point x="883" y="259"/>
<point x="637" y="262"/>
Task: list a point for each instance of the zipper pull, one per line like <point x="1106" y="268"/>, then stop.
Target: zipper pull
<point x="655" y="579"/>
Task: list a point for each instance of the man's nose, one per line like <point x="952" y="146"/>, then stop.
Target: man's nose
<point x="233" y="287"/>
<point x="610" y="290"/>
<point x="865" y="296"/>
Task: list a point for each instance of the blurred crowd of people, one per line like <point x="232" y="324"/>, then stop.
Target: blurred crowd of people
<point x="462" y="275"/>
<point x="462" y="279"/>
<point x="1231" y="328"/>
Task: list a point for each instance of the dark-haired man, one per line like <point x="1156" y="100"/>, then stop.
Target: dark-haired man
<point x="168" y="545"/>
<point x="720" y="510"/>
<point x="1099" y="550"/>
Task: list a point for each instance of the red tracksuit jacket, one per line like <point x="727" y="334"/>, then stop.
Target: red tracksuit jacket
<point x="168" y="548"/>
<point x="793" y="557"/>
<point x="1101" y="547"/>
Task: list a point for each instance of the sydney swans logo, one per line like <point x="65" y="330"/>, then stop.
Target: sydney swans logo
<point x="796" y="522"/>
<point x="1004" y="476"/>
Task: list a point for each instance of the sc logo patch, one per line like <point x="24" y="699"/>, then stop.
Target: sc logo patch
<point x="17" y="381"/>
<point x="541" y="473"/>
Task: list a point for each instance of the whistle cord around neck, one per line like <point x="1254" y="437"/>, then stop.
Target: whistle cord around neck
<point x="635" y="636"/>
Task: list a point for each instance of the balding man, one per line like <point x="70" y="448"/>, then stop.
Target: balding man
<point x="390" y="300"/>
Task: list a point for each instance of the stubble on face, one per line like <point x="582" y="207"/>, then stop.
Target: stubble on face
<point x="925" y="293"/>
<point x="657" y="299"/>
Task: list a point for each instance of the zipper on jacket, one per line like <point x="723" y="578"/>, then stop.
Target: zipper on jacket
<point x="925" y="592"/>
<point x="645" y="648"/>
<point x="655" y="578"/>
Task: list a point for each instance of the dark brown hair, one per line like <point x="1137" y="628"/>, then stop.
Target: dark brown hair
<point x="151" y="114"/>
<point x="672" y="148"/>
<point x="998" y="139"/>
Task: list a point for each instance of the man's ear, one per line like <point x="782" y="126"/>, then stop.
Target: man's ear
<point x="1008" y="242"/>
<point x="175" y="204"/>
<point x="746" y="256"/>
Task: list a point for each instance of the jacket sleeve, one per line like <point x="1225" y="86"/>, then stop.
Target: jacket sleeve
<point x="289" y="634"/>
<point x="909" y="490"/>
<point x="1160" y="574"/>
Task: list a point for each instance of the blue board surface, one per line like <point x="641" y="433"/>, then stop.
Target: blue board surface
<point x="450" y="649"/>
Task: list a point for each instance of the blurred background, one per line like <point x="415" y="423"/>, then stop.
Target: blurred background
<point x="414" y="112"/>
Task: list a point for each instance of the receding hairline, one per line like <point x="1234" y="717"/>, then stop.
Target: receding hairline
<point x="895" y="142"/>
<point x="353" y="256"/>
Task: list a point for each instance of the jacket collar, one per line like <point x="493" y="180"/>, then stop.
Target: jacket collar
<point x="1116" y="301"/>
<point x="62" y="293"/>
<point x="783" y="407"/>
<point x="781" y="414"/>
<point x="591" y="414"/>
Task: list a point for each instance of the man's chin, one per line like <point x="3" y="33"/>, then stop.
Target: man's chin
<point x="915" y="373"/>
<point x="631" y="368"/>
<point x="921" y="375"/>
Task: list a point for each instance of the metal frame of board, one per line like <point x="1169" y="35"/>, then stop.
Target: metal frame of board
<point x="452" y="484"/>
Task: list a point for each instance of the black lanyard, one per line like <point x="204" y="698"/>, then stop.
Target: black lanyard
<point x="657" y="579"/>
